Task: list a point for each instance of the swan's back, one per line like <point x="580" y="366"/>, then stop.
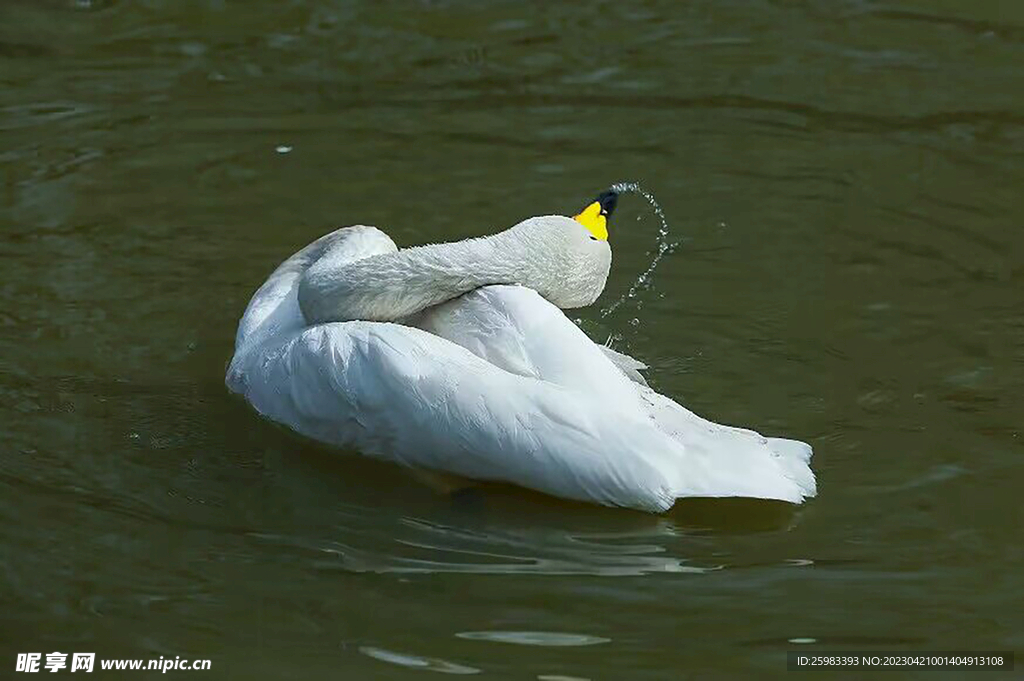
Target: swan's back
<point x="514" y="328"/>
<point x="273" y="312"/>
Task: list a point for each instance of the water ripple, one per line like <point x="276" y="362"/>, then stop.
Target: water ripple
<point x="437" y="549"/>
<point x="534" y="638"/>
<point x="417" y="662"/>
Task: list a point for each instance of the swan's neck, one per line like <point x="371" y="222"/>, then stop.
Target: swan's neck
<point x="392" y="286"/>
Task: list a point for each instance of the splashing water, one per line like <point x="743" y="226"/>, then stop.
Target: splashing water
<point x="643" y="282"/>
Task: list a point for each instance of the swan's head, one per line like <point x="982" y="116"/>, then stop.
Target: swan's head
<point x="568" y="259"/>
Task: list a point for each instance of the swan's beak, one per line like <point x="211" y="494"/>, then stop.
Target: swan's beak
<point x="595" y="216"/>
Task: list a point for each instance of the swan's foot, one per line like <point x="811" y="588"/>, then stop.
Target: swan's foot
<point x="444" y="483"/>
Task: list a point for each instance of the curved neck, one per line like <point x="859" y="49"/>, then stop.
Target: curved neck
<point x="392" y="286"/>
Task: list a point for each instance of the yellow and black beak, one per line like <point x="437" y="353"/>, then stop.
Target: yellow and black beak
<point x="595" y="216"/>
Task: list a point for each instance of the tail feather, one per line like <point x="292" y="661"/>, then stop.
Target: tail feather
<point x="794" y="457"/>
<point x="726" y="461"/>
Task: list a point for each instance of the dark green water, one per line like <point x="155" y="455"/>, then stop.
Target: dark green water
<point x="845" y="180"/>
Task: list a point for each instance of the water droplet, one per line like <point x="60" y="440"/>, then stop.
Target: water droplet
<point x="283" y="149"/>
<point x="803" y="640"/>
<point x="634" y="322"/>
<point x="192" y="49"/>
<point x="664" y="246"/>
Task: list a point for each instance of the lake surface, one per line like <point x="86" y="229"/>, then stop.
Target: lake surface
<point x="843" y="184"/>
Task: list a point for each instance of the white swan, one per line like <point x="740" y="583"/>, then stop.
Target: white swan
<point x="456" y="358"/>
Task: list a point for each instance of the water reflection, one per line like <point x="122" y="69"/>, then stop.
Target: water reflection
<point x="417" y="662"/>
<point x="385" y="522"/>
<point x="420" y="546"/>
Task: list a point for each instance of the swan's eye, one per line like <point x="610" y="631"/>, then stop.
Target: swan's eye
<point x="593" y="238"/>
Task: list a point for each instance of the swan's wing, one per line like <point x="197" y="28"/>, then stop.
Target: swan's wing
<point x="629" y="366"/>
<point x="516" y="329"/>
<point x="405" y="395"/>
<point x="744" y="463"/>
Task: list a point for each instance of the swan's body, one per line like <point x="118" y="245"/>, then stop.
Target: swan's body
<point x="483" y="379"/>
